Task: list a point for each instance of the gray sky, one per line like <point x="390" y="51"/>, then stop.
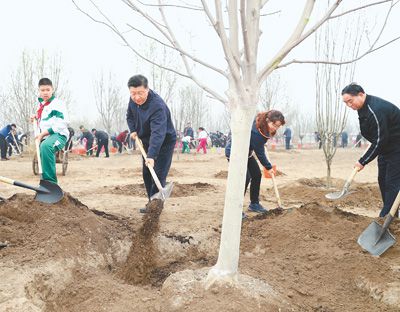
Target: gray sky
<point x="87" y="48"/>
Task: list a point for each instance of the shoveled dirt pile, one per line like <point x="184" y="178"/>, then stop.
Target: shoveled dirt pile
<point x="364" y="195"/>
<point x="311" y="256"/>
<point x="67" y="257"/>
<point x="142" y="255"/>
<point x="179" y="189"/>
<point x="37" y="230"/>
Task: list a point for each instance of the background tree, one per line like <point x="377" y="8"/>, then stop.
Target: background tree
<point x="238" y="31"/>
<point x="19" y="102"/>
<point x="109" y="102"/>
<point x="336" y="40"/>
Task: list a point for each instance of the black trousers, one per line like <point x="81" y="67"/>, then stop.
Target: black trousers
<point x="254" y="175"/>
<point x="3" y="146"/>
<point x="100" y="144"/>
<point x="388" y="179"/>
<point x="119" y="146"/>
<point x="161" y="167"/>
<point x="89" y="145"/>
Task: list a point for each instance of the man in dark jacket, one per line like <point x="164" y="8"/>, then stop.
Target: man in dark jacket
<point x="86" y="134"/>
<point x="7" y="131"/>
<point x="102" y="140"/>
<point x="288" y="137"/>
<point x="380" y="125"/>
<point x="149" y="119"/>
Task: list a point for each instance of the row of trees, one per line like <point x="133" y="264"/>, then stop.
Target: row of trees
<point x="17" y="98"/>
<point x="238" y="29"/>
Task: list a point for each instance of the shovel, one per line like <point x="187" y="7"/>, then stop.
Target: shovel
<point x="278" y="198"/>
<point x="377" y="239"/>
<point x="47" y="192"/>
<point x="54" y="193"/>
<point x="164" y="192"/>
<point x="345" y="191"/>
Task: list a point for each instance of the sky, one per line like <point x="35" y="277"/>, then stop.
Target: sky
<point x="88" y="48"/>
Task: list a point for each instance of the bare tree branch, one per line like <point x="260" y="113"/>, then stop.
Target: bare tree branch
<point x="295" y="38"/>
<point x="358" y="57"/>
<point x="172" y="5"/>
<point x="119" y="34"/>
<point x="360" y="8"/>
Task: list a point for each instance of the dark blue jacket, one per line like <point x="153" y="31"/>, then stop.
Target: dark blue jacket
<point x="288" y="133"/>
<point x="152" y="123"/>
<point x="6" y="131"/>
<point x="380" y="125"/>
<point x="257" y="141"/>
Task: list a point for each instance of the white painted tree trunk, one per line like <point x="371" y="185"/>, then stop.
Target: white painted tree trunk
<point x="226" y="268"/>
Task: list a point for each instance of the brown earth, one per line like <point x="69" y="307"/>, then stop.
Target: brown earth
<point x="94" y="251"/>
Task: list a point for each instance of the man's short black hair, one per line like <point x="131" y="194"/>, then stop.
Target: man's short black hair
<point x="352" y="89"/>
<point x="137" y="81"/>
<point x="13" y="125"/>
<point x="94" y="129"/>
<point x="45" y="82"/>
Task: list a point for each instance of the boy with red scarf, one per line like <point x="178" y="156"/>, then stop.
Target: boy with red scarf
<point x="53" y="127"/>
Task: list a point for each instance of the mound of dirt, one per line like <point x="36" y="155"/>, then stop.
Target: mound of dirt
<point x="141" y="259"/>
<point x="179" y="189"/>
<point x="36" y="230"/>
<point x="303" y="191"/>
<point x="311" y="256"/>
<point x="138" y="172"/>
<point x="223" y="174"/>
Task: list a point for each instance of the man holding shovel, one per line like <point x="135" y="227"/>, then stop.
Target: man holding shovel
<point x="53" y="128"/>
<point x="149" y="119"/>
<point x="6" y="132"/>
<point x="380" y="125"/>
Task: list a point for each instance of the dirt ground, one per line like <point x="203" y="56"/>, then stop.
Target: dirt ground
<point x="94" y="251"/>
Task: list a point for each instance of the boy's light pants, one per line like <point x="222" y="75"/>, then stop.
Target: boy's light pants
<point x="52" y="144"/>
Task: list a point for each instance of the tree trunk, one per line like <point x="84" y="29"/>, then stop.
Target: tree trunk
<point x="228" y="259"/>
<point x="328" y="173"/>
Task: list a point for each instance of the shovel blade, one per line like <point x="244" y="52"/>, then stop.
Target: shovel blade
<point x="164" y="193"/>
<point x="48" y="192"/>
<point x="338" y="195"/>
<point x="369" y="239"/>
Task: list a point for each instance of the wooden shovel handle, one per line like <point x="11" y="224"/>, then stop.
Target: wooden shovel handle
<point x="153" y="173"/>
<point x="351" y="177"/>
<point x="37" y="144"/>
<point x="7" y="180"/>
<point x="276" y="189"/>
<point x="395" y="205"/>
<point x="278" y="198"/>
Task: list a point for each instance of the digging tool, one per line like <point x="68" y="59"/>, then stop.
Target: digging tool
<point x="377" y="239"/>
<point x="55" y="193"/>
<point x="93" y="147"/>
<point x="345" y="191"/>
<point x="278" y="198"/>
<point x="164" y="192"/>
<point x="16" y="144"/>
<point x="47" y="192"/>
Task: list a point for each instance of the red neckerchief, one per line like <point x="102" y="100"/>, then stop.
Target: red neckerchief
<point x="41" y="107"/>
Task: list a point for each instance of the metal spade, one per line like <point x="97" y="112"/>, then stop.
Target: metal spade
<point x="345" y="191"/>
<point x="163" y="192"/>
<point x="376" y="239"/>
